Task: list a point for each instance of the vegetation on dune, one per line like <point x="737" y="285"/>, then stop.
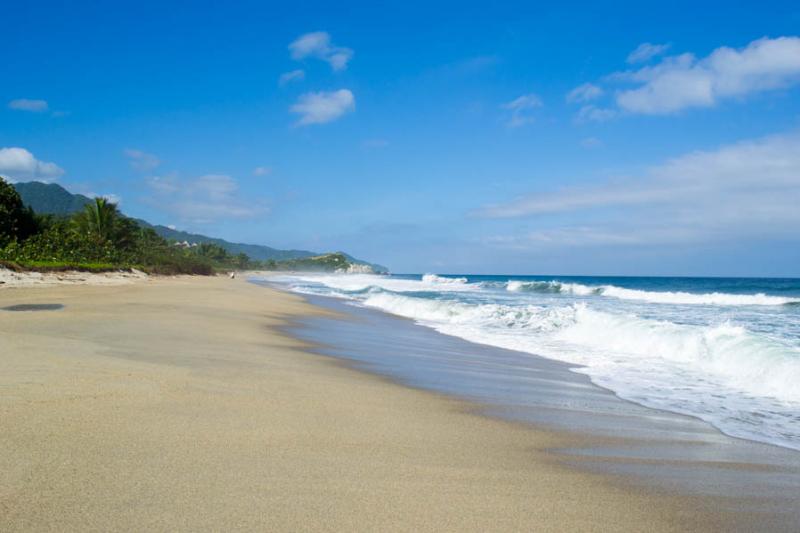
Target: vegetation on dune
<point x="100" y="238"/>
<point x="53" y="199"/>
<point x="95" y="239"/>
<point x="57" y="266"/>
<point x="16" y="221"/>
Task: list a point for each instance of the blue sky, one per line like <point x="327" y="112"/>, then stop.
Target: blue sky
<point x="431" y="137"/>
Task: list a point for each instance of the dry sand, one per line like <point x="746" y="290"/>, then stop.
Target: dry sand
<point x="9" y="278"/>
<point x="174" y="404"/>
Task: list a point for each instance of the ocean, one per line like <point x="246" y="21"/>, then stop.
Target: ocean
<point x="724" y="350"/>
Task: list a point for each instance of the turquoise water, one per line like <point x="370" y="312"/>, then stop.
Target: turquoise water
<point x="723" y="350"/>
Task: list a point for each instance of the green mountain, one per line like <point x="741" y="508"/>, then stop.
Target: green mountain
<point x="53" y="199"/>
<point x="50" y="199"/>
<point x="254" y="251"/>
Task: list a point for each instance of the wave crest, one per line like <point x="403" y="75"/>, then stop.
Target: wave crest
<point x="443" y="280"/>
<point x="552" y="287"/>
<point x="659" y="297"/>
<point x="578" y="334"/>
<point x="688" y="298"/>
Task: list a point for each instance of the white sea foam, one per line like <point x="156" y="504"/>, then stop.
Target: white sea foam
<point x="554" y="287"/>
<point x="698" y="362"/>
<point x="745" y="384"/>
<point x="740" y="375"/>
<point x="356" y="283"/>
<point x="661" y="297"/>
<point x="436" y="279"/>
<point x="687" y="298"/>
<point x="751" y="363"/>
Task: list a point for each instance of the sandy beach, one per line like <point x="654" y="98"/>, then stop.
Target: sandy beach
<point x="177" y="404"/>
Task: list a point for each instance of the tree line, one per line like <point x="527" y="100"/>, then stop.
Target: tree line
<point x="98" y="238"/>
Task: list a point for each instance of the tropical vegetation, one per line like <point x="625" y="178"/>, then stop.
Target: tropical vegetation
<point x="99" y="237"/>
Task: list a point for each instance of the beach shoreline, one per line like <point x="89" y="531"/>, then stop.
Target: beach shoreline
<point x="178" y="404"/>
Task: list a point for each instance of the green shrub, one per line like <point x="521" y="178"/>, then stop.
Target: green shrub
<point x="95" y="239"/>
<point x="17" y="222"/>
<point x="60" y="243"/>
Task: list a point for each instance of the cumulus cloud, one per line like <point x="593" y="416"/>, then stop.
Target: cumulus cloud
<point x="751" y="188"/>
<point x="201" y="200"/>
<point x="288" y="77"/>
<point x="584" y="93"/>
<point x="322" y="107"/>
<point x="318" y="44"/>
<point x="24" y="104"/>
<point x="684" y="81"/>
<point x="262" y="171"/>
<point x="19" y="164"/>
<point x="679" y="82"/>
<point x="141" y="161"/>
<point x="646" y="51"/>
<point x="521" y="110"/>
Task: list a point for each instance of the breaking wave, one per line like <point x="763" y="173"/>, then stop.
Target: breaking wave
<point x="742" y="382"/>
<point x="434" y="278"/>
<point x="661" y="297"/>
<point x="730" y="359"/>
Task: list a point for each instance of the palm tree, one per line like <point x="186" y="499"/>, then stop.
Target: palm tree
<point x="99" y="218"/>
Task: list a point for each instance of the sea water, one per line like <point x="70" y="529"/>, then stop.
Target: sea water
<point x="726" y="351"/>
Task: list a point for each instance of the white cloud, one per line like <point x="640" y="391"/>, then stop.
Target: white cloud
<point x="683" y="81"/>
<point x="322" y="107"/>
<point x="569" y="236"/>
<point x="24" y="104"/>
<point x="748" y="189"/>
<point x="592" y="113"/>
<point x="19" y="164"/>
<point x="318" y="44"/>
<point x="646" y="51"/>
<point x="294" y="75"/>
<point x="521" y="110"/>
<point x="141" y="161"/>
<point x="262" y="171"/>
<point x="163" y="184"/>
<point x="201" y="200"/>
<point x="584" y="93"/>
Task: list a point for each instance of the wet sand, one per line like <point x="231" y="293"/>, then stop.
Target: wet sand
<point x="640" y="446"/>
<point x="178" y="404"/>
